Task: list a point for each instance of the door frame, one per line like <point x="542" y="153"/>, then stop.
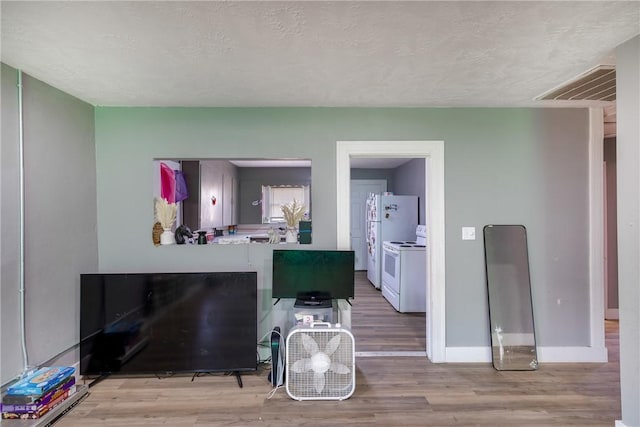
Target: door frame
<point x="596" y="234"/>
<point x="433" y="153"/>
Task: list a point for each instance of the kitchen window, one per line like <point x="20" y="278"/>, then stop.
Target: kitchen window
<point x="274" y="196"/>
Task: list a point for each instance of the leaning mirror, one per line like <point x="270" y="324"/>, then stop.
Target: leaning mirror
<point x="233" y="200"/>
<point x="513" y="341"/>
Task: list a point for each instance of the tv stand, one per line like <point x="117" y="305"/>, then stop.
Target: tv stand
<point x="234" y="373"/>
<point x="238" y="377"/>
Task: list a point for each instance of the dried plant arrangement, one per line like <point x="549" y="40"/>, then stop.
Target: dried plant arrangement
<point x="165" y="212"/>
<point x="293" y="212"/>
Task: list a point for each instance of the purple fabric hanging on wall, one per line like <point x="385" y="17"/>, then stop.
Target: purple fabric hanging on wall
<point x="182" y="192"/>
<point x="167" y="183"/>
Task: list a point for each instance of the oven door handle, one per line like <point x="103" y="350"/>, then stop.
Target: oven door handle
<point x="391" y="250"/>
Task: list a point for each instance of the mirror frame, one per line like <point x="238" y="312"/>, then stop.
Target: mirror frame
<point x="512" y="327"/>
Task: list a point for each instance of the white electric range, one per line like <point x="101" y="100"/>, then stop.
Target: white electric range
<point x="404" y="273"/>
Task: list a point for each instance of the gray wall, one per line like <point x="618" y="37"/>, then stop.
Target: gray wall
<point x="628" y="150"/>
<point x="11" y="353"/>
<point x="359" y="173"/>
<point x="60" y="219"/>
<point x="513" y="166"/>
<point x="409" y="180"/>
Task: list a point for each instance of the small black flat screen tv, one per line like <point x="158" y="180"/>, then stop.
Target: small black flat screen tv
<point x="168" y="323"/>
<point x="301" y="272"/>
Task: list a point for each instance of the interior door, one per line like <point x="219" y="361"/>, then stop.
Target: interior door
<point x="360" y="189"/>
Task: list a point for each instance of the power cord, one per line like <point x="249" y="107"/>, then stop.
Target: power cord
<point x="273" y="391"/>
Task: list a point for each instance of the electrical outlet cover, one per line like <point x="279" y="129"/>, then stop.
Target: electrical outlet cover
<point x="468" y="233"/>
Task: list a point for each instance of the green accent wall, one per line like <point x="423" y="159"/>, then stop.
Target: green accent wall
<point x="502" y="166"/>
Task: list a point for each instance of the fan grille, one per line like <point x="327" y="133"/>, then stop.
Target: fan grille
<point x="311" y="378"/>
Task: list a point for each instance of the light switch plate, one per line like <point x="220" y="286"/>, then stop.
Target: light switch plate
<point x="468" y="233"/>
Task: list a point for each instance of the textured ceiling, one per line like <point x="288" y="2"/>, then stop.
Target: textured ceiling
<point x="342" y="53"/>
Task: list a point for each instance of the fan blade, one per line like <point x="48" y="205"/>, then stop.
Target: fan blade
<point x="300" y="366"/>
<point x="309" y="344"/>
<point x="318" y="382"/>
<point x="332" y="345"/>
<point x="339" y="368"/>
<point x="320" y="362"/>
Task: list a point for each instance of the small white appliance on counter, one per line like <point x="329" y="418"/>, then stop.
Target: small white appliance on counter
<point x="389" y="217"/>
<point x="404" y="273"/>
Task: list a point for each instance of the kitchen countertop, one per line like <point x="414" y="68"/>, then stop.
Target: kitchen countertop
<point x="241" y="238"/>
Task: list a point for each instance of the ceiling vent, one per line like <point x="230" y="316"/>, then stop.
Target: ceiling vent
<point x="597" y="84"/>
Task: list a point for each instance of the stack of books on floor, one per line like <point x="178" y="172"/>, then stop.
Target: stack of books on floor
<point x="38" y="393"/>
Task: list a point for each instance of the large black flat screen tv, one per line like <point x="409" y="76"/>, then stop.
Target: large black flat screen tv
<point x="168" y="323"/>
<point x="300" y="272"/>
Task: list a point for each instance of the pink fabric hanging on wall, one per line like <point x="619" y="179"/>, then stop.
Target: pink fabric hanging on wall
<point x="167" y="183"/>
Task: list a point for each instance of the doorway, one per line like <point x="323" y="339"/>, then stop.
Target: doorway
<point x="379" y="329"/>
<point x="433" y="153"/>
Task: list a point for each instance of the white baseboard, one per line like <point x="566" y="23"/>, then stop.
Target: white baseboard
<point x="620" y="424"/>
<point x="572" y="355"/>
<point x="545" y="355"/>
<point x="391" y="354"/>
<point x="467" y="354"/>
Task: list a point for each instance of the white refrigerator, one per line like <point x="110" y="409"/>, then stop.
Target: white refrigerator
<point x="389" y="218"/>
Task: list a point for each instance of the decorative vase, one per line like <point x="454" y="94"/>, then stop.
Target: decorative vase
<point x="167" y="237"/>
<point x="291" y="235"/>
<point x="157" y="231"/>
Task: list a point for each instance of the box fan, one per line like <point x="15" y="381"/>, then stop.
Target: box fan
<point x="320" y="362"/>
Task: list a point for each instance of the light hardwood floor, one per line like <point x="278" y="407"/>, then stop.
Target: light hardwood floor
<point x="390" y="391"/>
<point x="376" y="325"/>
